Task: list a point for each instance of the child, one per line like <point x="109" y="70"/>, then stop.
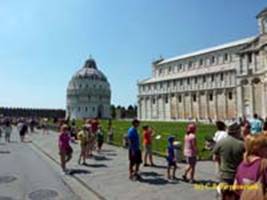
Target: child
<point x="7" y="130"/>
<point x="83" y="137"/>
<point x="99" y="138"/>
<point x="147" y="142"/>
<point x="65" y="150"/>
<point x="171" y="159"/>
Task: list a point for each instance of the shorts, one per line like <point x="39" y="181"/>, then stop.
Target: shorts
<point x="22" y="133"/>
<point x="136" y="157"/>
<point x="68" y="151"/>
<point x="148" y="148"/>
<point x="171" y="163"/>
<point x="191" y="160"/>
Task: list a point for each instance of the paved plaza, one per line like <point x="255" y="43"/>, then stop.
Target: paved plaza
<point x="107" y="176"/>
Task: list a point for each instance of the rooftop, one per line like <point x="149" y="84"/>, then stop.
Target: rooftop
<point x="209" y="50"/>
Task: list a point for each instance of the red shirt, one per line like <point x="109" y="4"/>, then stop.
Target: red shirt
<point x="147" y="137"/>
<point x="94" y="125"/>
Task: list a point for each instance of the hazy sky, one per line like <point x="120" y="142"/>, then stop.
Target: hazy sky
<point x="43" y="42"/>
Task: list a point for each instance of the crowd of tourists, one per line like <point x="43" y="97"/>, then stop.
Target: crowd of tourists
<point x="91" y="138"/>
<point x="239" y="150"/>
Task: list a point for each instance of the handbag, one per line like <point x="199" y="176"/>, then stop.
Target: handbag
<point x="257" y="190"/>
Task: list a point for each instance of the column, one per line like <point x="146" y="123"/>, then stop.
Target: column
<point x="263" y="101"/>
<point x="207" y="105"/>
<point x="198" y="105"/>
<point x="239" y="100"/>
<point x="145" y="107"/>
<point x="215" y="104"/>
<point x="163" y="107"/>
<point x="224" y="94"/>
<point x="177" y="106"/>
<point x="251" y="96"/>
<point x="183" y="102"/>
<point x="139" y="113"/>
<point x="157" y="106"/>
<point x="190" y="105"/>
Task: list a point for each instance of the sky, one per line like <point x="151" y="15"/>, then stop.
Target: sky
<point x="44" y="42"/>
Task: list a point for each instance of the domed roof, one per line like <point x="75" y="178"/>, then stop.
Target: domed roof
<point x="90" y="71"/>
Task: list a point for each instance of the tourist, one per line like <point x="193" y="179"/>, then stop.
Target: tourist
<point x="221" y="131"/>
<point x="256" y="125"/>
<point x="190" y="152"/>
<point x="0" y="132"/>
<point x="135" y="155"/>
<point x="65" y="150"/>
<point x="171" y="159"/>
<point x="45" y="126"/>
<point x="253" y="168"/>
<point x="220" y="134"/>
<point x="7" y="130"/>
<point x="246" y="130"/>
<point x="73" y="130"/>
<point x="23" y="131"/>
<point x="83" y="138"/>
<point x="99" y="138"/>
<point x="147" y="142"/>
<point x="265" y="128"/>
<point x="95" y="125"/>
<point x="229" y="151"/>
<point x="110" y="132"/>
<point x="90" y="146"/>
<point x="32" y="124"/>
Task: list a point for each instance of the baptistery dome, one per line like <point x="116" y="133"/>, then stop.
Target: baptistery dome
<point x="88" y="93"/>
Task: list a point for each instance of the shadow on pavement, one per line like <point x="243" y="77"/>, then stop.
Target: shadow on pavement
<point x="5" y="152"/>
<point x="79" y="171"/>
<point x="150" y="174"/>
<point x="101" y="158"/>
<point x="94" y="165"/>
<point x="156" y="181"/>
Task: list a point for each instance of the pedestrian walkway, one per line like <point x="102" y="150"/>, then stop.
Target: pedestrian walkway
<point x="107" y="174"/>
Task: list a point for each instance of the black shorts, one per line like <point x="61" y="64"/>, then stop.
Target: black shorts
<point x="22" y="133"/>
<point x="135" y="157"/>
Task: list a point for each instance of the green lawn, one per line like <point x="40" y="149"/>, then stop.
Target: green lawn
<point x="165" y="129"/>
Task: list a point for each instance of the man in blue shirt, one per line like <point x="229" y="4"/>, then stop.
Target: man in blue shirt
<point x="256" y="125"/>
<point x="135" y="156"/>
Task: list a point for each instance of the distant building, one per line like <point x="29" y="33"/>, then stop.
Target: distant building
<point x="88" y="93"/>
<point x="32" y="112"/>
<point x="222" y="82"/>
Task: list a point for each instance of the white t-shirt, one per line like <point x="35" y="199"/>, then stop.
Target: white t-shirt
<point x="219" y="135"/>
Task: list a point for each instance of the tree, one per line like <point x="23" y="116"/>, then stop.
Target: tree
<point x="113" y="111"/>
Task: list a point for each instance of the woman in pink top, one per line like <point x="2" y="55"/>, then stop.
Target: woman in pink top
<point x="250" y="170"/>
<point x="190" y="152"/>
<point x="65" y="150"/>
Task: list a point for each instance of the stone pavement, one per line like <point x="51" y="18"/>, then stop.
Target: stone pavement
<point x="107" y="174"/>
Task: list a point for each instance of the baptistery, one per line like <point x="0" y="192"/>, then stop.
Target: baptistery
<point x="88" y="93"/>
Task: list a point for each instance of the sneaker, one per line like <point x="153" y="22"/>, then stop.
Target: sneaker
<point x="146" y="165"/>
<point x="184" y="177"/>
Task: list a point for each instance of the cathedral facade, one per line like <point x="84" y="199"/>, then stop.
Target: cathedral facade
<point x="88" y="93"/>
<point x="219" y="83"/>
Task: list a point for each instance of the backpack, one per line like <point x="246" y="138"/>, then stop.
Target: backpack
<point x="257" y="193"/>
